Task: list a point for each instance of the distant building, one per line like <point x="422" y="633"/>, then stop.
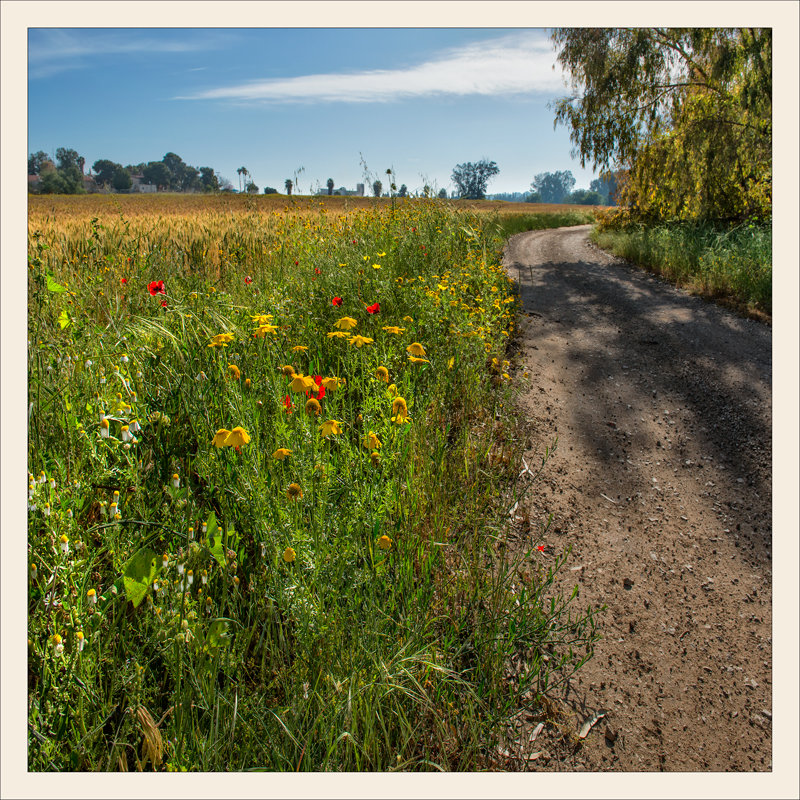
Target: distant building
<point x="138" y="185"/>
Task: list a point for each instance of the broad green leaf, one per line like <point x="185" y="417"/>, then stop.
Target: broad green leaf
<point x="218" y="633"/>
<point x="64" y="319"/>
<point x="138" y="574"/>
<point x="52" y="286"/>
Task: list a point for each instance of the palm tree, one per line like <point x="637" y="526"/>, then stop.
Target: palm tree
<point x="242" y="171"/>
<point x="288" y="184"/>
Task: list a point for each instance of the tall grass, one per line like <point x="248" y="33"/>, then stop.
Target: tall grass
<point x="729" y="263"/>
<point x="509" y="224"/>
<point x="350" y="605"/>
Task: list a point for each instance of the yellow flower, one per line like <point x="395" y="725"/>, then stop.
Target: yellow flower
<point x="302" y="383"/>
<point x="450" y="362"/>
<point x="338" y="335"/>
<point x="219" y="438"/>
<point x="288" y="370"/>
<point x="247" y="383"/>
<point x="313" y="407"/>
<point x="262" y="330"/>
<point x="384" y="542"/>
<point x="294" y="492"/>
<point x="289" y="555"/>
<point x="359" y="341"/>
<point x="262" y="319"/>
<point x="371" y="441"/>
<point x="345" y="323"/>
<point x="281" y="453"/>
<point x="416" y="349"/>
<point x="391" y="389"/>
<point x="237" y="437"/>
<point x="415" y="360"/>
<point x="376" y="266"/>
<point x="408" y="319"/>
<point x="332" y="383"/>
<point x="394" y="329"/>
<point x="234" y="371"/>
<point x="399" y="411"/>
<point x="375" y="458"/>
<point x="299" y="348"/>
<point x="382" y="374"/>
<point x="330" y="427"/>
<point x="221" y="340"/>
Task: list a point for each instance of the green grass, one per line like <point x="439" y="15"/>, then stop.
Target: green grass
<point x="732" y="264"/>
<point x="314" y="643"/>
<point x="510" y="224"/>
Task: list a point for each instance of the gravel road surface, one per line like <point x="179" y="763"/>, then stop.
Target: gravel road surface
<point x="661" y="482"/>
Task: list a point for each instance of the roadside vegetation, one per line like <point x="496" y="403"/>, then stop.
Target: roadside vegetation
<point x="731" y="264"/>
<point x="272" y="456"/>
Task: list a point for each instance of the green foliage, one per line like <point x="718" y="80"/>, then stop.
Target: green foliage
<point x="36" y="161"/>
<point x="553" y="187"/>
<point x="583" y="197"/>
<point x="207" y="618"/>
<point x="686" y="112"/>
<point x="732" y="263"/>
<point x="139" y="574"/>
<point x="122" y="182"/>
<point x="511" y="224"/>
<point x="471" y="179"/>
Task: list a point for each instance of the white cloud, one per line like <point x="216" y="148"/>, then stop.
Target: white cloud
<point x="51" y="51"/>
<point x="520" y="63"/>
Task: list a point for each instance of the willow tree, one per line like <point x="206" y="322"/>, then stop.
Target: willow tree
<point x="686" y="113"/>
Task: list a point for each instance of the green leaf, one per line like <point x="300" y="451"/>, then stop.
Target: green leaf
<point x="64" y="319"/>
<point x="52" y="286"/>
<point x="138" y="574"/>
<point x="218" y="633"/>
<point x="214" y="539"/>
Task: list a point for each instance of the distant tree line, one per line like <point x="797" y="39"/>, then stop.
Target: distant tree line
<point x="171" y="174"/>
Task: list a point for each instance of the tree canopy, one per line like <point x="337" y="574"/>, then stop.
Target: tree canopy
<point x="553" y="187"/>
<point x="685" y="112"/>
<point x="471" y="179"/>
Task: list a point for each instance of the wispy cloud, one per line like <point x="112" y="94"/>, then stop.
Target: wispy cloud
<point x="519" y="63"/>
<point x="51" y="51"/>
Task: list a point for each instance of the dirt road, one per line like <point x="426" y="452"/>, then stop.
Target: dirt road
<point x="661" y="482"/>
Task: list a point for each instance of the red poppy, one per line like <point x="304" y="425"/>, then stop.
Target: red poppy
<point x="287" y="404"/>
<point x="247" y="279"/>
<point x="540" y="548"/>
<point x="123" y="281"/>
<point x="337" y="301"/>
<point x="157" y="287"/>
<point x="320" y="388"/>
<point x="318" y="270"/>
<point x="374" y="308"/>
<point x="163" y="304"/>
<point x="355" y="241"/>
<point x="296" y="263"/>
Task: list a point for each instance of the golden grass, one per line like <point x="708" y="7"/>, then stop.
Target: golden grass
<point x="43" y="208"/>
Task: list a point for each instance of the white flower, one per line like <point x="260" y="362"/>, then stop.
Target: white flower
<point x="87" y="363"/>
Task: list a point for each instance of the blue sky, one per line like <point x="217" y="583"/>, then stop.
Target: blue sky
<point x="275" y="100"/>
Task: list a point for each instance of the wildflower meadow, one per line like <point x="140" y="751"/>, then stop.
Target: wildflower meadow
<point x="272" y="453"/>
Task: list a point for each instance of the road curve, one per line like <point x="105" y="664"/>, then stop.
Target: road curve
<point x="661" y="482"/>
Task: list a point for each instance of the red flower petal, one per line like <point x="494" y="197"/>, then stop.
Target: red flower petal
<point x="337" y="301"/>
<point x="374" y="308"/>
